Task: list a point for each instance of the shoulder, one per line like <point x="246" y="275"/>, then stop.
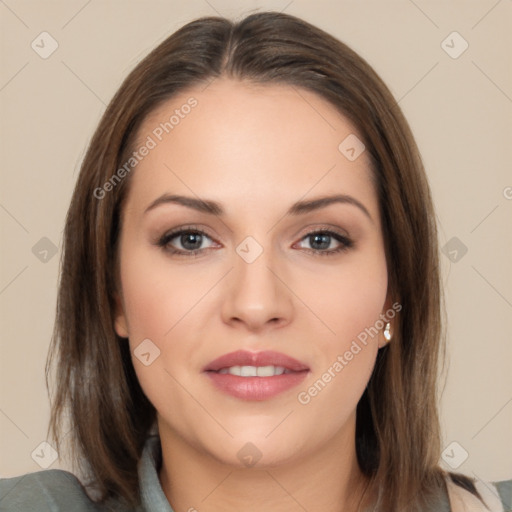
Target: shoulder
<point x="496" y="496"/>
<point x="45" y="491"/>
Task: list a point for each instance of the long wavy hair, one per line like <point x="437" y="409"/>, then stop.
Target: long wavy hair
<point x="97" y="398"/>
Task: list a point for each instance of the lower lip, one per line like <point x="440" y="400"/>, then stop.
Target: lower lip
<point x="256" y="388"/>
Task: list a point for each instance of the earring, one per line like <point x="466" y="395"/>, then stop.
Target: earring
<point x="387" y="332"/>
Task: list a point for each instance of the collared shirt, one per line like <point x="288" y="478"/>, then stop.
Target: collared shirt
<point x="152" y="494"/>
<point x="60" y="491"/>
<point x="56" y="490"/>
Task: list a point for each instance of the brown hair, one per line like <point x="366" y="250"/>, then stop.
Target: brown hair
<point x="397" y="429"/>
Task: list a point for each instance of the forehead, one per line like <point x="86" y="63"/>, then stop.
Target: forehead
<point x="236" y="139"/>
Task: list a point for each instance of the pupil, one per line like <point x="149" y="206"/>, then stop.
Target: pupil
<point x="193" y="238"/>
<point x="322" y="239"/>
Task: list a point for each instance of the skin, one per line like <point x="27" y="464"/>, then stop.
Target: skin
<point x="256" y="150"/>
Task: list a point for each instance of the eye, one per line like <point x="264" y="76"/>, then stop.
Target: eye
<point x="185" y="241"/>
<point x="320" y="242"/>
<point x="189" y="241"/>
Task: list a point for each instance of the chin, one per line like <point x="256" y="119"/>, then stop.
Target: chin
<point x="254" y="449"/>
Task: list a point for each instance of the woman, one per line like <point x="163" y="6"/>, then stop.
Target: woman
<point x="249" y="305"/>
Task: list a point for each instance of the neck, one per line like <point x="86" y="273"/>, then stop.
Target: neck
<point x="327" y="480"/>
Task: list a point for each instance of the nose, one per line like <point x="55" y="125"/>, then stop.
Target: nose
<point x="257" y="297"/>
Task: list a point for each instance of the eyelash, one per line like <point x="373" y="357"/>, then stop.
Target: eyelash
<point x="164" y="241"/>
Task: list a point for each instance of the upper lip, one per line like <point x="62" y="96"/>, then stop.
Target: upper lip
<point x="263" y="358"/>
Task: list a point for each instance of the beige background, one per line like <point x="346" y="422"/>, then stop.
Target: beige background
<point x="460" y="110"/>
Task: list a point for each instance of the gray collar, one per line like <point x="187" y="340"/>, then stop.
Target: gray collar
<point x="152" y="494"/>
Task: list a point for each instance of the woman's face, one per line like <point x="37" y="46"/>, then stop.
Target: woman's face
<point x="249" y="273"/>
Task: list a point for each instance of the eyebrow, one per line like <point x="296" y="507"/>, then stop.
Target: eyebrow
<point x="298" y="208"/>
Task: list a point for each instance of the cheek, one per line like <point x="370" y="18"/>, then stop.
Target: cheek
<point x="158" y="295"/>
<point x="163" y="304"/>
<point x="347" y="301"/>
<point x="348" y="305"/>
<point x="158" y="306"/>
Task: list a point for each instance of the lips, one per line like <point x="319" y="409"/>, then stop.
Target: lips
<point x="255" y="375"/>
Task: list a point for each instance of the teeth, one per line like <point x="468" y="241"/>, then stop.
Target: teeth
<point x="254" y="371"/>
<point x="248" y="371"/>
<point x="270" y="371"/>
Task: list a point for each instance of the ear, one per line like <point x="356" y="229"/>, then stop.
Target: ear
<point x="120" y="323"/>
